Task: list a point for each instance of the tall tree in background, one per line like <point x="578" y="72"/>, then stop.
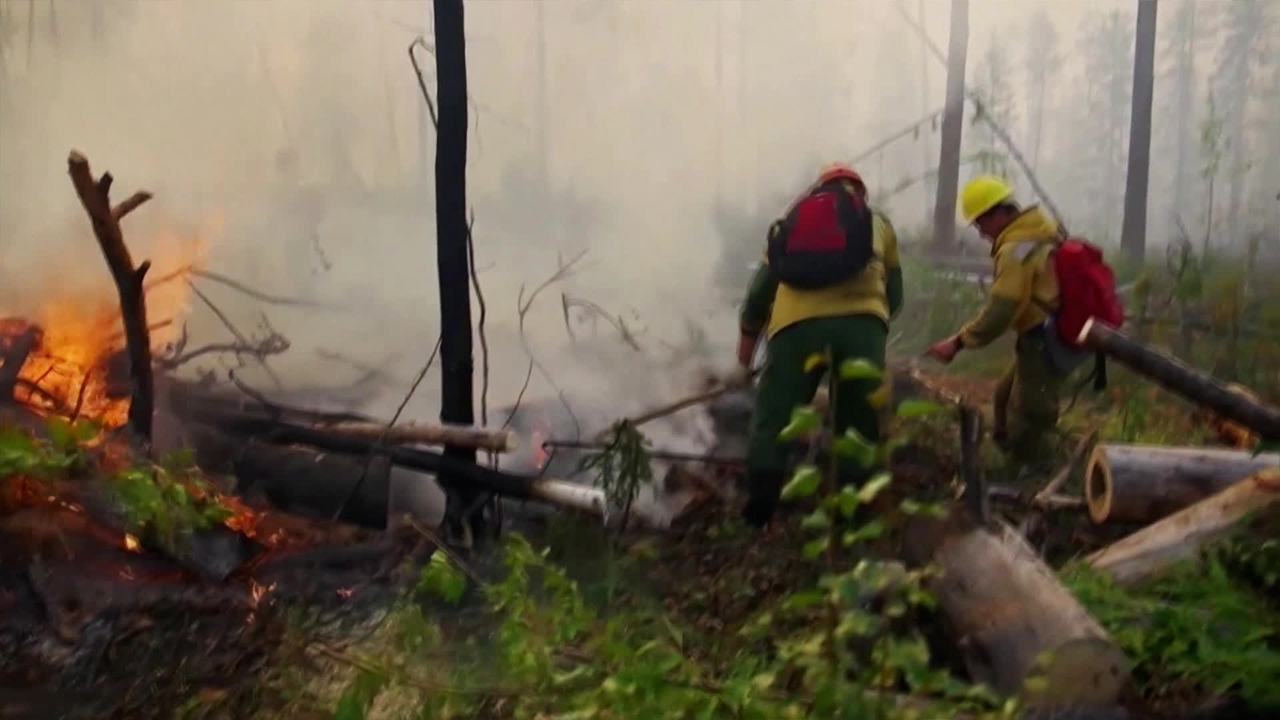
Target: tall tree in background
<point x="1101" y="125"/>
<point x="944" y="209"/>
<point x="1042" y="62"/>
<point x="1133" y="236"/>
<point x="1177" y="136"/>
<point x="992" y="88"/>
<point x="1244" y="29"/>
<point x="452" y="238"/>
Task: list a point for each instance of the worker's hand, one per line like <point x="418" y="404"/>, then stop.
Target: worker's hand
<point x="739" y="376"/>
<point x="944" y="351"/>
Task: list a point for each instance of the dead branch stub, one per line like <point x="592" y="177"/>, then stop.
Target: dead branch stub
<point x="95" y="197"/>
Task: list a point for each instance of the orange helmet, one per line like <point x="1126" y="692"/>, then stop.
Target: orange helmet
<point x="841" y="171"/>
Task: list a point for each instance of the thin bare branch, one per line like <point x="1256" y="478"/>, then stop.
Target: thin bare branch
<point x="133" y="202"/>
<point x="262" y="360"/>
<point x="381" y="441"/>
<point x="255" y="294"/>
<point x="422" y="82"/>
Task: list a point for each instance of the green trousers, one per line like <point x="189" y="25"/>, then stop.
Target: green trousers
<point x="784" y="384"/>
<point x="1025" y="405"/>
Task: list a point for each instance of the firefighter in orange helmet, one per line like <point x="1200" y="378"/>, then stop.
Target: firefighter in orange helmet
<point x="829" y="283"/>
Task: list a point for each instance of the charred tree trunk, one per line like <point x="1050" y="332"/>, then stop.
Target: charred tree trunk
<point x="1013" y="619"/>
<point x="944" y="211"/>
<point x="1149" y="482"/>
<point x="1181" y="535"/>
<point x="95" y="196"/>
<point x="1134" y="234"/>
<point x="1182" y="379"/>
<point x="457" y="404"/>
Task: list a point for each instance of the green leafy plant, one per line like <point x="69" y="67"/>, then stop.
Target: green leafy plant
<point x="61" y="451"/>
<point x="621" y="467"/>
<point x="159" y="504"/>
<point x="1194" y="625"/>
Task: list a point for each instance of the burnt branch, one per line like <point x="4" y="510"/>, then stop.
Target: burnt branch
<point x="273" y="344"/>
<point x="563" y="270"/>
<point x="94" y="196"/>
<point x="255" y="294"/>
<point x="380" y="442"/>
<point x="568" y="302"/>
<point x="422" y="83"/>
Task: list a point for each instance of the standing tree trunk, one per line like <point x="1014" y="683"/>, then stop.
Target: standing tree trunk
<point x="944" y="210"/>
<point x="1133" y="237"/>
<point x="926" y="169"/>
<point x="457" y="405"/>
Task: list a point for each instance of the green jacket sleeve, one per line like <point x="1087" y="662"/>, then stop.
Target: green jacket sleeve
<point x="758" y="304"/>
<point x="893" y="290"/>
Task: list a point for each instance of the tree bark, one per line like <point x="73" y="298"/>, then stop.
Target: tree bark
<point x="452" y="235"/>
<point x="944" y="211"/>
<point x="1180" y="536"/>
<point x="1133" y="237"/>
<point x="1182" y="379"/>
<point x="1013" y="619"/>
<point x="95" y="196"/>
<point x="1149" y="482"/>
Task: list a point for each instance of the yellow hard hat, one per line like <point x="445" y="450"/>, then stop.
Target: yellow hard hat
<point x="981" y="194"/>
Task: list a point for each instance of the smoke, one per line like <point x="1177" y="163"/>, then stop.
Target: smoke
<point x="287" y="142"/>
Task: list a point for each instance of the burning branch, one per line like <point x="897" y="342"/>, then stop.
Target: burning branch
<point x="94" y="195"/>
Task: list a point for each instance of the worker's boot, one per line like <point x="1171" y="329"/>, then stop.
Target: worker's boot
<point x="764" y="488"/>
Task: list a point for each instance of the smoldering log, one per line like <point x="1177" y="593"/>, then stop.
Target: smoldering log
<point x="567" y="495"/>
<point x="1148" y="482"/>
<point x="1182" y="379"/>
<point x="1181" y="536"/>
<point x="1012" y="618"/>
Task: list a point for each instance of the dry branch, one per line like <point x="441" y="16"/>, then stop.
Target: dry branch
<point x="1085" y="463"/>
<point x="430" y="434"/>
<point x="1182" y="379"/>
<point x="95" y="196"/>
<point x="1148" y="482"/>
<point x="1180" y="536"/>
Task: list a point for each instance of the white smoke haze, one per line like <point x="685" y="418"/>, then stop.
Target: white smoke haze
<point x="634" y="122"/>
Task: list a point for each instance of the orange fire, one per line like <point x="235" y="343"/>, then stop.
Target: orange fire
<point x="67" y="372"/>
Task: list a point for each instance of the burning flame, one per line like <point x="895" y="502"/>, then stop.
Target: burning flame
<point x="78" y="367"/>
<point x="540" y="454"/>
<point x="131" y="543"/>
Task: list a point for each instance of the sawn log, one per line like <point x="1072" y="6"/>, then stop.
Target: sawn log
<point x="1183" y="379"/>
<point x="1013" y="620"/>
<point x="1148" y="482"/>
<point x="429" y="434"/>
<point x="1181" y="535"/>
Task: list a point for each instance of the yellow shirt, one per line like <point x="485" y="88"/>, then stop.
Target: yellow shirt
<point x="862" y="294"/>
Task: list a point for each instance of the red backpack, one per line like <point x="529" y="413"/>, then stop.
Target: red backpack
<point x="826" y="237"/>
<point x="1087" y="289"/>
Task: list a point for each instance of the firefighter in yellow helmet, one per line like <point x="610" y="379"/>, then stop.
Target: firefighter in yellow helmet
<point x="1023" y="293"/>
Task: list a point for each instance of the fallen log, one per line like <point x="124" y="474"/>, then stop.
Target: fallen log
<point x="1181" y="536"/>
<point x="1148" y="482"/>
<point x="1013" y="619"/>
<point x="1182" y="379"/>
<point x="430" y="434"/>
<point x="560" y="493"/>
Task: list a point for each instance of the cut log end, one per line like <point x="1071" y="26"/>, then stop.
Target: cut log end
<point x="1086" y="670"/>
<point x="1084" y="332"/>
<point x="1098" y="486"/>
